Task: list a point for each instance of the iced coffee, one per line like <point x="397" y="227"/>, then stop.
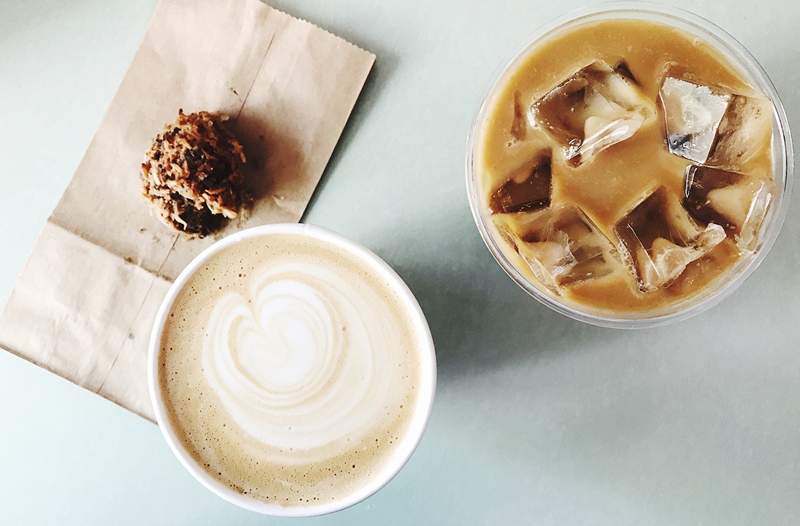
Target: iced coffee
<point x="626" y="166"/>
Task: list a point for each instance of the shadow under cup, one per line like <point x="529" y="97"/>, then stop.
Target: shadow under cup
<point x="394" y="460"/>
<point x="782" y="155"/>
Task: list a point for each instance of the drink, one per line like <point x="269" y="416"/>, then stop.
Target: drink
<point x="294" y="372"/>
<point x="624" y="168"/>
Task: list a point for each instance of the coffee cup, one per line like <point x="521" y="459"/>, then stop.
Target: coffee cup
<point x="244" y="380"/>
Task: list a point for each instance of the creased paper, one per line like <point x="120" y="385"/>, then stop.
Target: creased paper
<point x="84" y="303"/>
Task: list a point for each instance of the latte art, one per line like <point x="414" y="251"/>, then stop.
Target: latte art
<point x="290" y="370"/>
<point x="296" y="362"/>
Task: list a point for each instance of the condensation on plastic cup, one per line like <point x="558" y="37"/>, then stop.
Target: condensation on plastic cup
<point x="427" y="385"/>
<point x="783" y="167"/>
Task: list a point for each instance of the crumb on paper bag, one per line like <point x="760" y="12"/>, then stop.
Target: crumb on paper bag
<point x="192" y="173"/>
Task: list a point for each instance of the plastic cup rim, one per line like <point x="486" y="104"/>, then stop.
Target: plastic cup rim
<point x="739" y="57"/>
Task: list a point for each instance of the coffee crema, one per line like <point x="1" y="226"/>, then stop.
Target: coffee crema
<point x="290" y="370"/>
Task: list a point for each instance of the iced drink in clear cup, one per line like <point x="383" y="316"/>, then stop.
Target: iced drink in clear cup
<point x="631" y="166"/>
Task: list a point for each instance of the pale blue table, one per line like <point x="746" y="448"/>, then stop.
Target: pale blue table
<point x="539" y="420"/>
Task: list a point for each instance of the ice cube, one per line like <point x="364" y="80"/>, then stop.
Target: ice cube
<point x="593" y="109"/>
<point x="712" y="127"/>
<point x="693" y="114"/>
<point x="519" y="127"/>
<point x="745" y="130"/>
<point x="737" y="202"/>
<point x="659" y="239"/>
<point x="532" y="192"/>
<point x="560" y="245"/>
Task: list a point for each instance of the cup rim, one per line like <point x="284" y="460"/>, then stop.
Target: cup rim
<point x="739" y="57"/>
<point x="426" y="388"/>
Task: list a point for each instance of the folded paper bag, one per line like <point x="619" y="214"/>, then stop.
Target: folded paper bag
<point x="84" y="303"/>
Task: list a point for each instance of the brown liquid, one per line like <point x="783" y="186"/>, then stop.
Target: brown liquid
<point x="614" y="181"/>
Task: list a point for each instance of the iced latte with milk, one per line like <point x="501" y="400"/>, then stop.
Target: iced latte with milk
<point x="626" y="166"/>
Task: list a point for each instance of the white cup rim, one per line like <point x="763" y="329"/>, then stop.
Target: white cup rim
<point x="426" y="388"/>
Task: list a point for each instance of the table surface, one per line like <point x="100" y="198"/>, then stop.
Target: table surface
<point x="538" y="419"/>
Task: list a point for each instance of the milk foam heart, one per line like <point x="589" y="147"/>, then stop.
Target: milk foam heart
<point x="296" y="361"/>
<point x="290" y="369"/>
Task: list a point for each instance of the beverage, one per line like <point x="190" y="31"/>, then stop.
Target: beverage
<point x="294" y="372"/>
<point x="624" y="168"/>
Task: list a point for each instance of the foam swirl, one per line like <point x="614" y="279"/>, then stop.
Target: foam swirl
<point x="296" y="359"/>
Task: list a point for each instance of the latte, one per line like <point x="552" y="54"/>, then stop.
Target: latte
<point x="290" y="370"/>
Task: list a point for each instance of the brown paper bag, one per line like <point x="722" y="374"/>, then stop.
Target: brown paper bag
<point x="84" y="303"/>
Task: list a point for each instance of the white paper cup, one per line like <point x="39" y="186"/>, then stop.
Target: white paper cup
<point x="426" y="388"/>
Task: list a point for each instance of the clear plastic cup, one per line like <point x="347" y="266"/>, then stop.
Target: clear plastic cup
<point x="783" y="165"/>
